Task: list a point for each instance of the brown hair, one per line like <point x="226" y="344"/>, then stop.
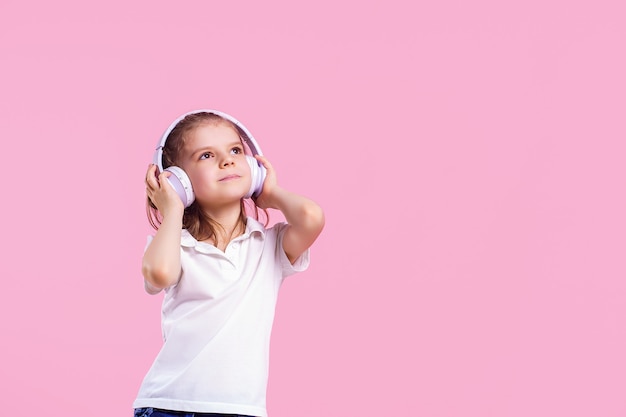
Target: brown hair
<point x="199" y="224"/>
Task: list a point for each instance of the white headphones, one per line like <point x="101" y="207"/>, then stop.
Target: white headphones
<point x="179" y="179"/>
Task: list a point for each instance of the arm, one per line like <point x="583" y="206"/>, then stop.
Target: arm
<point x="161" y="261"/>
<point x="305" y="218"/>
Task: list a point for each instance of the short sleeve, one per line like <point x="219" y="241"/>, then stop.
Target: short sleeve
<point x="150" y="289"/>
<point x="300" y="264"/>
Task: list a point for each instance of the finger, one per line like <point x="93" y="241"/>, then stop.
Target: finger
<point x="151" y="178"/>
<point x="163" y="182"/>
<point x="151" y="170"/>
<point x="264" y="161"/>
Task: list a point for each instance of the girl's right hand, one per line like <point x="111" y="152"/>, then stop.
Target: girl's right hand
<point x="162" y="194"/>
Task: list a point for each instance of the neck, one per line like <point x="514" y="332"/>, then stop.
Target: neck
<point x="227" y="216"/>
<point x="229" y="220"/>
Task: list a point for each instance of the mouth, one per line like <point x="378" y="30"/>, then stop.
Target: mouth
<point x="230" y="177"/>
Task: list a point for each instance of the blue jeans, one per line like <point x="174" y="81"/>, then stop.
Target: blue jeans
<point x="157" y="412"/>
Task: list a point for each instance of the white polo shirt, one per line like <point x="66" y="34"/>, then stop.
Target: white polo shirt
<point x="216" y="323"/>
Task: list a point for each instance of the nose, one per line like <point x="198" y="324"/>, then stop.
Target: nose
<point x="227" y="160"/>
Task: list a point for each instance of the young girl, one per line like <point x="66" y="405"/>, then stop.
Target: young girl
<point x="220" y="269"/>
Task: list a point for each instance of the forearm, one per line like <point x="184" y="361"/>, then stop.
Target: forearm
<point x="161" y="261"/>
<point x="305" y="219"/>
<point x="299" y="211"/>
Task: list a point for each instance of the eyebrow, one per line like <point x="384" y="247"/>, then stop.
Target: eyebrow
<point x="210" y="148"/>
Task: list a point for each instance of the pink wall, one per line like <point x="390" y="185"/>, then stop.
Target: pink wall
<point x="469" y="156"/>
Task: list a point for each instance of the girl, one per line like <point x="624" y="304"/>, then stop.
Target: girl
<point x="220" y="269"/>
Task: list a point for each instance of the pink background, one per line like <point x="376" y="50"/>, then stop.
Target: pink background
<point x="469" y="157"/>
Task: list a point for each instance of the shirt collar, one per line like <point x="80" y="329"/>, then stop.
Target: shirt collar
<point x="253" y="226"/>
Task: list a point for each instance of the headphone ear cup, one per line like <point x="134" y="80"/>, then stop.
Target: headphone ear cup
<point x="181" y="183"/>
<point x="257" y="174"/>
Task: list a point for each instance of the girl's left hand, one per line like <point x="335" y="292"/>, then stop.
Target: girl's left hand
<point x="270" y="186"/>
<point x="304" y="217"/>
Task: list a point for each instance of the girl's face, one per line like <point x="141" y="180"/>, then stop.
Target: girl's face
<point x="213" y="157"/>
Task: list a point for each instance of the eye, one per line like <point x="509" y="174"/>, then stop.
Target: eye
<point x="206" y="155"/>
<point x="237" y="150"/>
